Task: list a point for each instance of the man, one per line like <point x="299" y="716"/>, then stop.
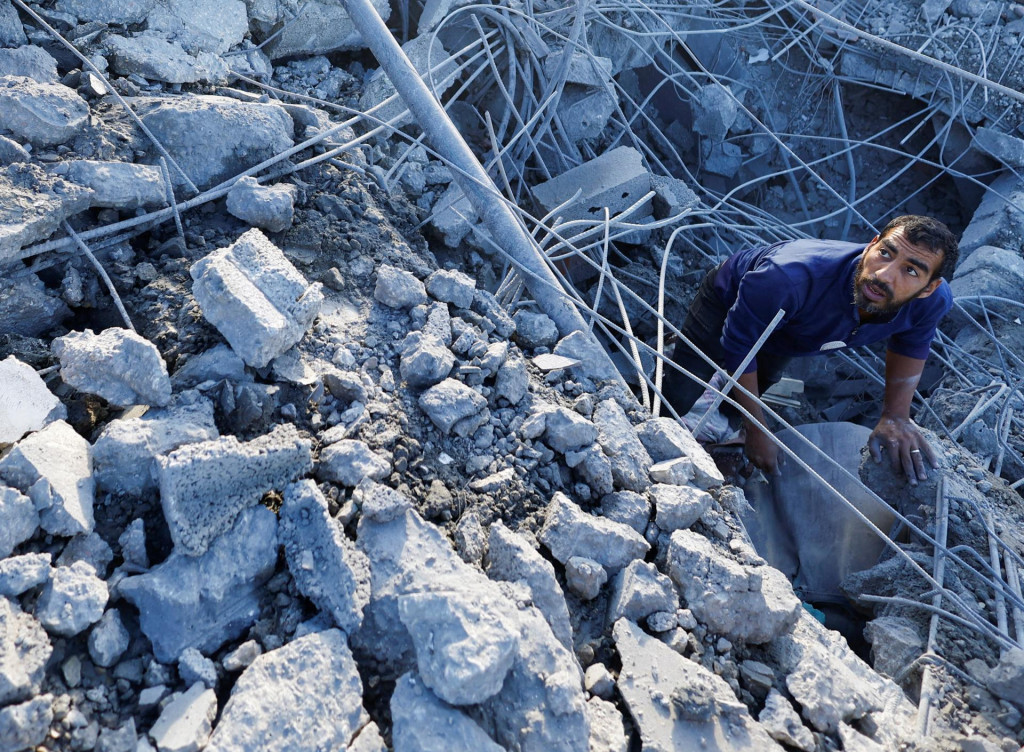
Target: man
<point x="834" y="295"/>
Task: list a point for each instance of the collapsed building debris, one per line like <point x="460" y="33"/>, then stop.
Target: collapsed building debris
<point x="365" y="454"/>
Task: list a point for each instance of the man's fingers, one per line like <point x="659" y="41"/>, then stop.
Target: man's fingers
<point x="907" y="461"/>
<point x="917" y="459"/>
<point x="874" y="446"/>
<point x="929" y="454"/>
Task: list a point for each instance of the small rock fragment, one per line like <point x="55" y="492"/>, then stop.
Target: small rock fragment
<point x="25" y="726"/>
<point x="569" y="531"/>
<point x="26" y="403"/>
<point x="398" y="288"/>
<point x="678" y="507"/>
<point x="73" y="599"/>
<point x="116" y="364"/>
<point x="44" y="114"/>
<point x="783" y="723"/>
<point x="349" y="461"/>
<point x="270" y="208"/>
<point x="585" y="577"/>
<point x="454" y="407"/>
<point x="422" y="722"/>
<point x="450" y="286"/>
<point x="186" y="721"/>
<point x="18" y="520"/>
<point x="21" y="573"/>
<point x="639" y="591"/>
<point x="108" y="639"/>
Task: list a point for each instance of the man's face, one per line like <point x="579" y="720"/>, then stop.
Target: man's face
<point x="892" y="272"/>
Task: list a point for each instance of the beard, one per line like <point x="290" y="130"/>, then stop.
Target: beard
<point x="885" y="306"/>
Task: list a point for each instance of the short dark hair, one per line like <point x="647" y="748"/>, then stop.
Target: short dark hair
<point x="932" y="234"/>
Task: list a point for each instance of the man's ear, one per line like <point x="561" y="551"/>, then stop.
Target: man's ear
<point x="930" y="288"/>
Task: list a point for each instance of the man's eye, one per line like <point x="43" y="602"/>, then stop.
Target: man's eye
<point x="883" y="253"/>
<point x="911" y="271"/>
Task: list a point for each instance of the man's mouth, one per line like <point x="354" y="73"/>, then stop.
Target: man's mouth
<point x="875" y="293"/>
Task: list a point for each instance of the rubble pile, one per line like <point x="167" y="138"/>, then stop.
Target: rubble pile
<point x="287" y="464"/>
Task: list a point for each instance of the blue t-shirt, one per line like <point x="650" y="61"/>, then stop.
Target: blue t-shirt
<point x="812" y="280"/>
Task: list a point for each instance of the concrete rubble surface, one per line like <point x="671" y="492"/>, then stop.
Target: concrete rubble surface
<point x="306" y="443"/>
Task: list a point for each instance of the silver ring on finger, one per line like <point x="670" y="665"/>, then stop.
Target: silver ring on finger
<point x="915" y="451"/>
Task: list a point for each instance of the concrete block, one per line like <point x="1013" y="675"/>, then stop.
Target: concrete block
<point x="28" y="61"/>
<point x="21" y="573"/>
<point x="451" y="286"/>
<point x="990" y="271"/>
<point x="453" y="216"/>
<point x="672" y="196"/>
<point x="666" y="439"/>
<point x="204" y="601"/>
<point x="151" y="55"/>
<point x="18" y="520"/>
<point x="255" y="297"/>
<point x="425" y="360"/>
<point x="619" y="440"/>
<point x="398" y="288"/>
<point x="123" y="12"/>
<point x="205" y="486"/>
<point x="627" y="507"/>
<point x="1006" y="148"/>
<point x="593" y="359"/>
<point x="678" y="507"/>
<point x="26" y="726"/>
<point x="53" y="467"/>
<point x="607" y="732"/>
<point x="116" y="185"/>
<point x="349" y="461"/>
<point x="108" y="639"/>
<point x="616" y="180"/>
<point x="422" y="722"/>
<point x="12" y="34"/>
<point x="512" y="381"/>
<point x="185" y="722"/>
<point x="194" y="667"/>
<point x="72" y="600"/>
<point x="566" y="430"/>
<point x="34" y="206"/>
<point x="569" y="531"/>
<point x="270" y="208"/>
<point x="116" y="364"/>
<point x="125" y="452"/>
<point x="585" y="577"/>
<point x="44" y="114"/>
<point x="783" y="723"/>
<point x="640" y="590"/>
<point x="24" y="652"/>
<point x="895" y="643"/>
<point x="999" y="219"/>
<point x="714" y="111"/>
<point x="90" y="548"/>
<point x="327" y="568"/>
<point x="454" y="407"/>
<point x="198" y="26"/>
<point x="322" y="27"/>
<point x="305" y="695"/>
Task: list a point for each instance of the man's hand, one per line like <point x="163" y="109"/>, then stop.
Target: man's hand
<point x="901" y="439"/>
<point x="761" y="451"/>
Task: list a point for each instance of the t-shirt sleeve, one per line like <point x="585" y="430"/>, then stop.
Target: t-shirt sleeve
<point x="761" y="293"/>
<point x="916" y="340"/>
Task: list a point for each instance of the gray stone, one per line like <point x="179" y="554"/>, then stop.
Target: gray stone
<point x="194" y="667"/>
<point x="397" y="288"/>
<point x="380" y="503"/>
<point x="185" y="723"/>
<point x="666" y="439"/>
<point x="24" y="652"/>
<point x="453" y="216"/>
<point x="214" y="138"/>
<point x="44" y="114"/>
<point x="425" y="360"/>
<point x="11" y="32"/>
<point x="607" y="732"/>
<point x="998" y="221"/>
<point x="117" y="185"/>
<point x="205" y="486"/>
<point x="439" y="322"/>
<point x="677" y="703"/>
<point x="569" y="531"/>
<point x="598" y="680"/>
<point x="116" y="364"/>
<point x="345" y="386"/>
<point x="991" y="271"/>
<point x="616" y="179"/>
<point x="585" y="577"/>
<point x="53" y="467"/>
<point x="327" y="568"/>
<point x="485" y="304"/>
<point x="368" y="739"/>
<point x="26" y="306"/>
<point x="512" y="381"/>
<point x="454" y="407"/>
<point x="895" y="643"/>
<point x="122" y="12"/>
<point x="19" y="574"/>
<point x="305" y="695"/>
<point x="744" y="604"/>
<point x="349" y="461"/>
<point x="627" y="507"/>
<point x="677" y="472"/>
<point x="321" y="27"/>
<point x="25" y="726"/>
<point x="198" y="25"/>
<point x="451" y="286"/>
<point x="73" y="599"/>
<point x="132" y="541"/>
<point x="714" y="111"/>
<point x="465" y="642"/>
<point x="1006" y="680"/>
<point x="121" y="739"/>
<point x="566" y="430"/>
<point x="204" y="601"/>
<point x="1007" y="149"/>
<point x="10" y="150"/>
<point x="783" y="723"/>
<point x="271" y="208"/>
<point x="28" y="61"/>
<point x="618" y="439"/>
<point x="125" y="452"/>
<point x="152" y="56"/>
<point x="678" y="507"/>
<point x="18" y="520"/>
<point x="672" y="196"/>
<point x="511" y="558"/>
<point x="243" y="655"/>
<point x="34" y="206"/>
<point x="640" y="590"/>
<point x="90" y="548"/>
<point x="593" y="359"/>
<point x="216" y="364"/>
<point x="108" y="639"/>
<point x="535" y="330"/>
<point x="428" y="55"/>
<point x="255" y="297"/>
<point x="594" y="467"/>
<point x="423" y="723"/>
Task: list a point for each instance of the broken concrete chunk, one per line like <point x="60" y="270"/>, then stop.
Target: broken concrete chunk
<point x="422" y="722"/>
<point x="380" y="503"/>
<point x="398" y="288"/>
<point x="991" y="271"/>
<point x="618" y="439"/>
<point x="255" y="297"/>
<point x="592" y="358"/>
<point x="73" y="599"/>
<point x="125" y="452"/>
<point x="12" y="34"/>
<point x="617" y="179"/>
<point x="117" y="185"/>
<point x="34" y="205"/>
<point x="214" y="138"/>
<point x="425" y="360"/>
<point x="714" y="111"/>
<point x="326" y="566"/>
<point x="566" y="430"/>
<point x="116" y="364"/>
<point x="21" y="573"/>
<point x="677" y="703"/>
<point x="44" y="114"/>
<point x="895" y="644"/>
<point x="678" y="507"/>
<point x="627" y="507"/>
<point x="349" y="461"/>
<point x="27" y="307"/>
<point x="205" y="486"/>
<point x="677" y="472"/>
<point x="454" y="407"/>
<point x="28" y="61"/>
<point x="672" y="196"/>
<point x="743" y="604"/>
<point x="194" y="667"/>
<point x="535" y="330"/>
<point x="452" y="286"/>
<point x="204" y="601"/>
<point x="511" y="558"/>
<point x="89" y="548"/>
<point x="607" y="733"/>
<point x="108" y="639"/>
<point x="1006" y="680"/>
<point x="783" y="723"/>
<point x="216" y="364"/>
<point x="18" y="520"/>
<point x="321" y="27"/>
<point x="198" y="26"/>
<point x="24" y="652"/>
<point x="1007" y="149"/>
<point x="998" y="221"/>
<point x="829" y="694"/>
<point x="122" y="12"/>
<point x="53" y="467"/>
<point x="639" y="591"/>
<point x="185" y="722"/>
<point x="453" y="216"/>
<point x="585" y="577"/>
<point x="430" y="58"/>
<point x="305" y="695"/>
<point x="26" y="726"/>
<point x="512" y="381"/>
<point x="12" y="152"/>
<point x="465" y="642"/>
<point x="270" y="208"/>
<point x="569" y="531"/>
<point x="666" y="439"/>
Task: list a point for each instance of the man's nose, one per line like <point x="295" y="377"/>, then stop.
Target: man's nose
<point x="887" y="273"/>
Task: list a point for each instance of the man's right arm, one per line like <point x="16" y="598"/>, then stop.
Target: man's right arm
<point x="760" y="449"/>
